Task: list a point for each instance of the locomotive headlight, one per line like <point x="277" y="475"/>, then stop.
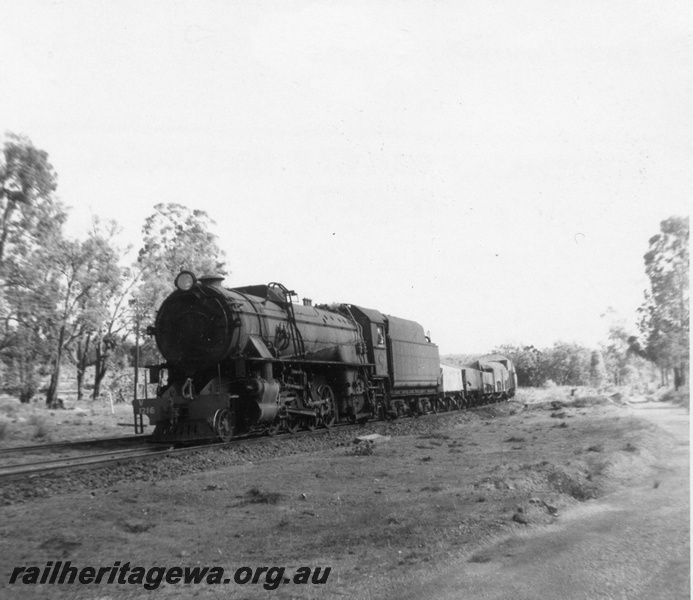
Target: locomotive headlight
<point x="185" y="281"/>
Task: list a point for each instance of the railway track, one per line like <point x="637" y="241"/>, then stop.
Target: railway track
<point x="72" y="444"/>
<point x="24" y="470"/>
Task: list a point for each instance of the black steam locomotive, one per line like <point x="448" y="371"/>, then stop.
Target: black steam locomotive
<point x="254" y="360"/>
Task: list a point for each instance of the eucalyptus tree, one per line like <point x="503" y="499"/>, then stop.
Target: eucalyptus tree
<point x="104" y="310"/>
<point x="29" y="211"/>
<point x="31" y="220"/>
<point x="665" y="314"/>
<point x="85" y="275"/>
<point x="529" y="364"/>
<point x="174" y="238"/>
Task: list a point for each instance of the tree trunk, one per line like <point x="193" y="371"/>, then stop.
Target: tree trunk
<point x="80" y="382"/>
<point x="9" y="207"/>
<point x="52" y="394"/>
<point x="679" y="377"/>
<point x="100" y="368"/>
<point x="97" y="383"/>
<point x="81" y="363"/>
<point x="99" y="374"/>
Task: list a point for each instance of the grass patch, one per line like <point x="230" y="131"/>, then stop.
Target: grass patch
<point x="596" y="468"/>
<point x="681" y="397"/>
<point x="565" y="483"/>
<point x="10" y="408"/>
<point x="479" y="557"/>
<point x="584" y="401"/>
<point x="432" y="488"/>
<point x="38" y="425"/>
<point x="363" y="448"/>
<point x="434" y="436"/>
<point x="379" y="524"/>
<point x="256" y="496"/>
<point x="136" y="526"/>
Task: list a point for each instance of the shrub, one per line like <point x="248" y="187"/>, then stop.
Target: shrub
<point x="10" y="409"/>
<point x="364" y="448"/>
<point x="256" y="496"/>
<point x="681" y="397"/>
<point x="39" y="424"/>
<point x="27" y="391"/>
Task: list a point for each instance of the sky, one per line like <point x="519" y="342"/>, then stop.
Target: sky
<point x="490" y="169"/>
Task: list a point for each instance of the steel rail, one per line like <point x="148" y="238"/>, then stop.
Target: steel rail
<point x="30" y="470"/>
<point x="73" y="443"/>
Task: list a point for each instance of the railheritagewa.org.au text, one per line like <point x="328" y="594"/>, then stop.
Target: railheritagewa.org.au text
<point x="150" y="578"/>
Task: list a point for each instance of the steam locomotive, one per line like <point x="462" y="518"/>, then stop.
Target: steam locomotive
<point x="255" y="360"/>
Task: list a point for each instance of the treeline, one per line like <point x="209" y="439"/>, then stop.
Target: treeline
<point x="663" y="343"/>
<point x="66" y="301"/>
<point x="73" y="301"/>
<point x="614" y="363"/>
<point x="571" y="364"/>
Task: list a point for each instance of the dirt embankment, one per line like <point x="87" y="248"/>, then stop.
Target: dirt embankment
<point x="388" y="519"/>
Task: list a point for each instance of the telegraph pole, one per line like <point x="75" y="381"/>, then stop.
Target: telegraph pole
<point x="134" y="303"/>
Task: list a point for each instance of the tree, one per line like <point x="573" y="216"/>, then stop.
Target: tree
<point x="30" y="220"/>
<point x="665" y="314"/>
<point x="568" y="364"/>
<point x="616" y="351"/>
<point x="28" y="211"/>
<point x="529" y="364"/>
<point x="175" y="238"/>
<point x="30" y="288"/>
<point x="86" y="276"/>
<point x="104" y="330"/>
<point x="598" y="374"/>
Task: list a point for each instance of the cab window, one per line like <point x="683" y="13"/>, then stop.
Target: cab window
<point x="380" y="335"/>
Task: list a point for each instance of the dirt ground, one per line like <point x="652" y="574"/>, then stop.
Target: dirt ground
<point x="27" y="424"/>
<point x="441" y="513"/>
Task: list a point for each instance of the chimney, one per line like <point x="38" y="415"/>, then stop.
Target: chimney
<point x="212" y="280"/>
<point x="307" y="302"/>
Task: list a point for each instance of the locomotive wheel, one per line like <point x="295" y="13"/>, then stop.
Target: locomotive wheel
<point x="329" y="415"/>
<point x="310" y="423"/>
<point x="292" y="424"/>
<point x="223" y="425"/>
<point x="434" y="406"/>
<point x="273" y="429"/>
